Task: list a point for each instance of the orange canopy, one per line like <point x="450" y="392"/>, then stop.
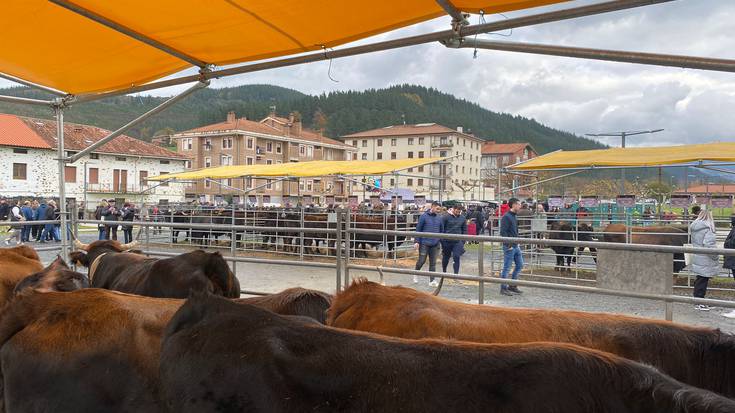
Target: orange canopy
<point x="52" y="46"/>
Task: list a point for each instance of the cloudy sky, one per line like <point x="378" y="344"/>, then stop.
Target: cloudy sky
<point x="570" y="94"/>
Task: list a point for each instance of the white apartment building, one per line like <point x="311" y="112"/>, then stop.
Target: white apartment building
<point x="457" y="178"/>
<point x="118" y="169"/>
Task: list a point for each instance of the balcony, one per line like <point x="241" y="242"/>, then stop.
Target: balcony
<point x="442" y="144"/>
<point x="108" y="188"/>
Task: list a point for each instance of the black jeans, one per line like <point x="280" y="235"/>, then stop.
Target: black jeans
<point x="128" y="233"/>
<point x="431" y="252"/>
<point x="700" y="286"/>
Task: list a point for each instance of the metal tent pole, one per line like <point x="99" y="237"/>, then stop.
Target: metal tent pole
<point x="26" y="101"/>
<point x="31" y="84"/>
<point x="62" y="181"/>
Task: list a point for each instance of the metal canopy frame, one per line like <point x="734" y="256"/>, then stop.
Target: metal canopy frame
<point x="459" y="31"/>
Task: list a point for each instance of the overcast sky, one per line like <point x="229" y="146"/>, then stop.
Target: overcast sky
<point x="570" y="94"/>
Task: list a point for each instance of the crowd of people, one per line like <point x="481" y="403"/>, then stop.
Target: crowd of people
<point x="118" y="218"/>
<point x="21" y="217"/>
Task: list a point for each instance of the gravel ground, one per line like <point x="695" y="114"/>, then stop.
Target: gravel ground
<point x="273" y="278"/>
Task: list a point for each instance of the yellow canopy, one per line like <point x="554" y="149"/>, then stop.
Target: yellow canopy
<point x="49" y="45"/>
<point x="632" y="157"/>
<point x="300" y="169"/>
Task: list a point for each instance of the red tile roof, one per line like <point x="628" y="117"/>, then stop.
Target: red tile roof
<point x="14" y="132"/>
<point x="490" y="148"/>
<point x="246" y="125"/>
<point x="78" y="137"/>
<point x="399" y="130"/>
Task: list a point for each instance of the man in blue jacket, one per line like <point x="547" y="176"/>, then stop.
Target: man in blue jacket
<point x="28" y="215"/>
<point x="511" y="252"/>
<point x="455" y="222"/>
<point x="430" y="221"/>
<point x="40" y="216"/>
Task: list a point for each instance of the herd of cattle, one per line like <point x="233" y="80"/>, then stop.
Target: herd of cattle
<point x="173" y="335"/>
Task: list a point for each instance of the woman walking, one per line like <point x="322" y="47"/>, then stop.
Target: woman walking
<point x="706" y="266"/>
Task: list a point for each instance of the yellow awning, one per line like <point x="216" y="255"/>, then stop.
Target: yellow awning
<point x="632" y="157"/>
<point x="47" y="44"/>
<point x="300" y="169"/>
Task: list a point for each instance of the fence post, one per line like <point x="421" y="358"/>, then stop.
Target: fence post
<point x="301" y="234"/>
<point x="233" y="241"/>
<point x="481" y="272"/>
<point x="348" y="239"/>
<point x="338" y="250"/>
<point x="668" y="305"/>
<point x="148" y="237"/>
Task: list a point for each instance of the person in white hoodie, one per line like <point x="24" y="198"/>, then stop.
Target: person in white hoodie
<point x="706" y="266"/>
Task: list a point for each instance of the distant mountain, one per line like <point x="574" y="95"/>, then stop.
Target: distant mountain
<point x="336" y="113"/>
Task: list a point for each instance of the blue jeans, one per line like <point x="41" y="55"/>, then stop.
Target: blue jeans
<point x="25" y="233"/>
<point x="50" y="229"/>
<point x="451" y="249"/>
<point x="102" y="233"/>
<point x="511" y="255"/>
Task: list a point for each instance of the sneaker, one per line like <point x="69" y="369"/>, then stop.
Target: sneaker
<point x="7" y="242"/>
<point x="434" y="283"/>
<point x="514" y="289"/>
<point x="702" y="307"/>
<point x="415" y="279"/>
<point x="731" y="314"/>
<point x="504" y="291"/>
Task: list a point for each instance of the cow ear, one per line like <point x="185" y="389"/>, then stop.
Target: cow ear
<point x="58" y="263"/>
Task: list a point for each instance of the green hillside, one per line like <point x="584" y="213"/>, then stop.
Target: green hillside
<point x="336" y="113"/>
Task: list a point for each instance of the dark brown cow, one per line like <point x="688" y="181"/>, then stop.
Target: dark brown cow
<point x="655" y="235"/>
<point x="15" y="264"/>
<point x="112" y="268"/>
<point x="57" y="276"/>
<point x="219" y="356"/>
<point x="95" y="350"/>
<point x="702" y="357"/>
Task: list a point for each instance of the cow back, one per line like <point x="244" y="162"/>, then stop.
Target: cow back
<point x="16" y="264"/>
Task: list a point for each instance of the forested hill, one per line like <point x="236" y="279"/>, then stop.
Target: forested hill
<point x="337" y="113"/>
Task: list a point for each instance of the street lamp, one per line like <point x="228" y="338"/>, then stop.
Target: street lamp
<point x="622" y="136"/>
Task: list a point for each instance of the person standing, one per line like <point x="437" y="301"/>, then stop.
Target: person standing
<point x="730" y="244"/>
<point x="128" y="214"/>
<point x="511" y="251"/>
<point x="27" y="212"/>
<point x="35" y="229"/>
<point x="100" y="213"/>
<point x="50" y="229"/>
<point x="15" y="217"/>
<point x="430" y="221"/>
<point x="113" y="214"/>
<point x="706" y="266"/>
<point x="41" y="216"/>
<point x="454" y="223"/>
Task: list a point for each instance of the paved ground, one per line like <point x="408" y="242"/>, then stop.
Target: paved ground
<point x="273" y="278"/>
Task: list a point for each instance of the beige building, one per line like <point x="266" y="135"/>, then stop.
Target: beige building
<point x="458" y="178"/>
<point x="273" y="140"/>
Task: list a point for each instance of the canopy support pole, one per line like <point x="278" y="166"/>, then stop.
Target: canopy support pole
<point x="154" y="186"/>
<point x="31" y="84"/>
<point x="365" y="184"/>
<point x="163" y="106"/>
<point x="25" y="101"/>
<point x="128" y="32"/>
<point x="59" y="111"/>
<point x="539" y="182"/>
<point x="687" y="62"/>
<point x="458" y="19"/>
<point x="726" y="171"/>
<point x="244" y="191"/>
<point x="445" y="35"/>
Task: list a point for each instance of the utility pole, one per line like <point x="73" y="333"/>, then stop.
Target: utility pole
<point x="622" y="136"/>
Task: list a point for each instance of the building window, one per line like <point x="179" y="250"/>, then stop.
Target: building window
<point x="456" y="168"/>
<point x="380" y="142"/>
<point x="207" y="162"/>
<point x="421" y="154"/>
<point x="421" y="169"/>
<point x="207" y="144"/>
<point x="463" y="169"/>
<point x="269" y="147"/>
<point x="310" y="151"/>
<point x="249" y="143"/>
<point x="410" y="169"/>
<point x="70" y="174"/>
<point x="410" y="155"/>
<point x="420" y="182"/>
<point x="207" y="183"/>
<point x="393" y="142"/>
<point x="186" y="144"/>
<point x="463" y="155"/>
<point x="93" y="176"/>
<point x="227" y="143"/>
<point x="165" y="162"/>
<point x="302" y="185"/>
<point x="364" y="143"/>
<point x="393" y="155"/>
<point x="464" y="142"/>
<point x="379" y="155"/>
<point x="143" y="180"/>
<point x="470" y="157"/>
<point x="19" y="150"/>
<point x="269" y="161"/>
<point x="506" y="158"/>
<point x="187" y="164"/>
<point x="226" y="160"/>
<point x="409" y="182"/>
<point x="309" y="185"/>
<point x="94" y="156"/>
<point x="354" y="156"/>
<point x="364" y="157"/>
<point x="302" y="150"/>
<point x="421" y="141"/>
<point x="278" y="148"/>
<point x="121" y="158"/>
<point x="19" y="171"/>
<point x="248" y="161"/>
<point x="392" y="182"/>
<point x="269" y="183"/>
<point x="410" y="141"/>
<point x="354" y="143"/>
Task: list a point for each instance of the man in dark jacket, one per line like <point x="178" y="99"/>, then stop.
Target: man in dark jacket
<point x="454" y="223"/>
<point x="50" y="229"/>
<point x="511" y="252"/>
<point x="41" y="216"/>
<point x="128" y="214"/>
<point x="112" y="214"/>
<point x="28" y="216"/>
<point x="430" y="221"/>
<point x="4" y="210"/>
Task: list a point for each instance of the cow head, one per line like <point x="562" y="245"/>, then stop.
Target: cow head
<point x="56" y="277"/>
<point x="87" y="253"/>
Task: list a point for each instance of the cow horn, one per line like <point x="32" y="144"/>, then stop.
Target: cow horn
<point x="80" y="245"/>
<point x="129" y="245"/>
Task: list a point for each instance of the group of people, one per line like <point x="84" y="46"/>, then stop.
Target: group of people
<point x="21" y="217"/>
<point x="108" y="211"/>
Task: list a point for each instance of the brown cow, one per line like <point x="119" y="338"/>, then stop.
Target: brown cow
<point x="218" y="356"/>
<point x="702" y="357"/>
<point x="97" y="350"/>
<point x="57" y="276"/>
<point x="15" y="264"/>
<point x="655" y="235"/>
